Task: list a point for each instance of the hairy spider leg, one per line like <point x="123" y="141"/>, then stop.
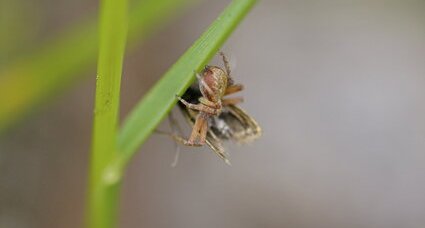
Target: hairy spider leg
<point x="175" y="130"/>
<point x="205" y="101"/>
<point x="233" y="89"/>
<point x="200" y="107"/>
<point x="199" y="129"/>
<point x="227" y="66"/>
<point x="204" y="84"/>
<point x="232" y="101"/>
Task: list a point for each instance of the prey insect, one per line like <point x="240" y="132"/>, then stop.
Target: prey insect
<point x="215" y="117"/>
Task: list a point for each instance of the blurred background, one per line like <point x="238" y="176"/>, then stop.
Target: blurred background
<point x="337" y="86"/>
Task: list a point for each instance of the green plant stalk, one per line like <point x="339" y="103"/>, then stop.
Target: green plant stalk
<point x="30" y="81"/>
<point x="108" y="166"/>
<point x="103" y="200"/>
<point x="149" y="112"/>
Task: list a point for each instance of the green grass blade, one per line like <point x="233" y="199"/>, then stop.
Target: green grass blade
<point x="30" y="81"/>
<point x="148" y="113"/>
<point x="103" y="198"/>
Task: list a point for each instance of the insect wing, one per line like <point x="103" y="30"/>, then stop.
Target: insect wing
<point x="235" y="124"/>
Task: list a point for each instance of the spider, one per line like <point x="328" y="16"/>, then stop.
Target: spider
<point x="214" y="84"/>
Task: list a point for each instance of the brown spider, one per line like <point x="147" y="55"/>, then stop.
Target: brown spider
<point x="214" y="84"/>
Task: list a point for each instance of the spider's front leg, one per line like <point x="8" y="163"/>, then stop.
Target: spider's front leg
<point x="231" y="89"/>
<point x="226" y="64"/>
<point x="199" y="107"/>
<point x="199" y="129"/>
<point x="211" y="104"/>
<point x="203" y="83"/>
<point x="232" y="101"/>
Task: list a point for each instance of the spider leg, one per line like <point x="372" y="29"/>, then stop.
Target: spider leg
<point x="189" y="105"/>
<point x="226" y="65"/>
<point x="205" y="101"/>
<point x="203" y="133"/>
<point x="232" y="101"/>
<point x="203" y="83"/>
<point x="176" y="130"/>
<point x="196" y="131"/>
<point x="233" y="89"/>
<point x="200" y="107"/>
<point x="183" y="141"/>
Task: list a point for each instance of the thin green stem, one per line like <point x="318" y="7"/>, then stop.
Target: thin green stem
<point x="110" y="159"/>
<point x="103" y="197"/>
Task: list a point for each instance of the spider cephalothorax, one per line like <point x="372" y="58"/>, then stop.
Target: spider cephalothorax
<point x="214" y="84"/>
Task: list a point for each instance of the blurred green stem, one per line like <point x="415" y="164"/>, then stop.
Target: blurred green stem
<point x="112" y="150"/>
<point x="148" y="113"/>
<point x="28" y="82"/>
<point x="103" y="197"/>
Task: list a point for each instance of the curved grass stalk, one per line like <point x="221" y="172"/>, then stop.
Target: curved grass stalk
<point x="156" y="104"/>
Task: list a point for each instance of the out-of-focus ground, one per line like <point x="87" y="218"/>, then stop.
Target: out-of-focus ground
<point x="338" y="87"/>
